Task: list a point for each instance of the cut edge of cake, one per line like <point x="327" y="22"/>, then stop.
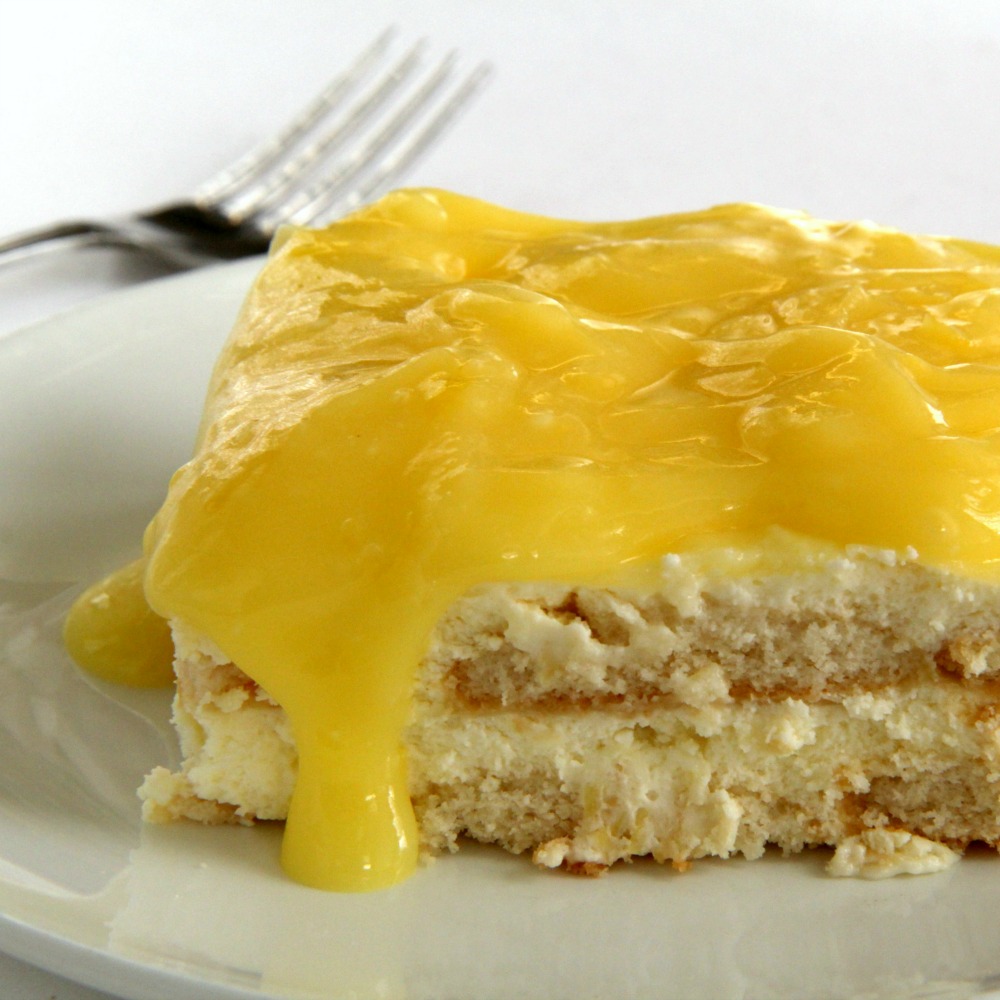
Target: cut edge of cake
<point x="849" y="700"/>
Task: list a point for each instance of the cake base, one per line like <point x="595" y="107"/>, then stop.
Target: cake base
<point x="849" y="702"/>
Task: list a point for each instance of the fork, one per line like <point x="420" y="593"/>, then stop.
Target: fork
<point x="351" y="143"/>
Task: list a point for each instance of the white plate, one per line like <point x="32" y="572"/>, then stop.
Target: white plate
<point x="97" y="407"/>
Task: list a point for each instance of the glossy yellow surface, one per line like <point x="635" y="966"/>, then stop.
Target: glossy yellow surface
<point x="437" y="392"/>
<point x="111" y="632"/>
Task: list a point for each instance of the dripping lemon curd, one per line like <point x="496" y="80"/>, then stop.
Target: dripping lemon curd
<point x="436" y="393"/>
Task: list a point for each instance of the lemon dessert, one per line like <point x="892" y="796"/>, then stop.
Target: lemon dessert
<point x="674" y="537"/>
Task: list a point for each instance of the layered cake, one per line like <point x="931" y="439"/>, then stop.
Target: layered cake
<point x="676" y="537"/>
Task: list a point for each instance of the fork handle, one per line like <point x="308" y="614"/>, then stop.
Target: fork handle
<point x="127" y="234"/>
<point x="49" y="239"/>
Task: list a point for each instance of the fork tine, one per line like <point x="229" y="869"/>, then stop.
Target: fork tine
<point x="302" y="200"/>
<point x="267" y="189"/>
<point x="419" y="143"/>
<point x="324" y="196"/>
<point x="261" y="159"/>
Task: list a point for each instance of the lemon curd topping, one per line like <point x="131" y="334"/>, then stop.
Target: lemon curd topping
<point x="436" y="393"/>
<point x="113" y="633"/>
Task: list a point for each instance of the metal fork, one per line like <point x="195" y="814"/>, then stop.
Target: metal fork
<point x="355" y="140"/>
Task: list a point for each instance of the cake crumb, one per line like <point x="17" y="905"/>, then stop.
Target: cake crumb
<point x="588" y="869"/>
<point x="882" y="853"/>
<point x="552" y="853"/>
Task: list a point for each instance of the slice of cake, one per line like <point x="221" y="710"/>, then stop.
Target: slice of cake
<point x="674" y="537"/>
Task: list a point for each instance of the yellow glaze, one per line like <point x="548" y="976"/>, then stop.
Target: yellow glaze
<point x="111" y="632"/>
<point x="437" y="392"/>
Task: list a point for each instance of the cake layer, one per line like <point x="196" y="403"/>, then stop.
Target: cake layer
<point x="724" y="711"/>
<point x="864" y="621"/>
<point x="598" y="787"/>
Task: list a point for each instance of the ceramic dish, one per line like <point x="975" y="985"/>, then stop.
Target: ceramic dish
<point x="97" y="408"/>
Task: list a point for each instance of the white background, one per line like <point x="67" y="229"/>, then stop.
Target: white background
<point x="846" y="109"/>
